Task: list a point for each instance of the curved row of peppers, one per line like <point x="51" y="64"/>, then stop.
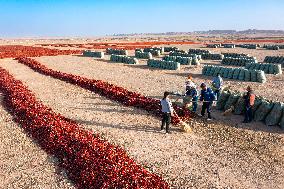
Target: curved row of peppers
<point x="108" y="90"/>
<point x="90" y="161"/>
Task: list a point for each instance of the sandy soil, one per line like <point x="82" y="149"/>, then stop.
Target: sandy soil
<point x="22" y="163"/>
<point x="215" y="155"/>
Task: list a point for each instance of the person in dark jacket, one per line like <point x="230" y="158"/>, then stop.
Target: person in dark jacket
<point x="249" y="102"/>
<point x="207" y="96"/>
<point x="167" y="110"/>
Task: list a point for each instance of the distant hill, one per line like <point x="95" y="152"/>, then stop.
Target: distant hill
<point x="214" y="32"/>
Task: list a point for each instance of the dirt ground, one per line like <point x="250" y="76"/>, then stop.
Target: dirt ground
<point x="215" y="155"/>
<point x="223" y="153"/>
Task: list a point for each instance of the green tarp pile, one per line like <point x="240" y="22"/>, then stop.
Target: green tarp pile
<point x="123" y="59"/>
<point x="89" y="53"/>
<point x="179" y="59"/>
<point x="116" y="51"/>
<point x="242" y="61"/>
<point x="163" y="64"/>
<point x="145" y="55"/>
<point x="268" y="68"/>
<point x="235" y="73"/>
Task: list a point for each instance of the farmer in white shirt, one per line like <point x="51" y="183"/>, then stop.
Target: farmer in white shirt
<point x="167" y="110"/>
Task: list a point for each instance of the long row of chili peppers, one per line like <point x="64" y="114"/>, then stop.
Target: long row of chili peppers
<point x="108" y="90"/>
<point x="90" y="161"/>
<point x="13" y="51"/>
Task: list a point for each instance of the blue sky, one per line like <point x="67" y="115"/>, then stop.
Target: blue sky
<point x="37" y="18"/>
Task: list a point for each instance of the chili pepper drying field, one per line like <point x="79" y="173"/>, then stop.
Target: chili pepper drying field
<point x="92" y="96"/>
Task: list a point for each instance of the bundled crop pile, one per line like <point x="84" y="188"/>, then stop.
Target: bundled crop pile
<point x="169" y="49"/>
<point x="268" y="68"/>
<point x="242" y="61"/>
<point x="235" y="73"/>
<point x="211" y="56"/>
<point x="236" y="55"/>
<point x="155" y="51"/>
<point x="275" y="60"/>
<point x="163" y="64"/>
<point x="249" y="46"/>
<point x="214" y="46"/>
<point x="145" y="55"/>
<point x="271" y="113"/>
<point x="179" y="59"/>
<point x="198" y="51"/>
<point x="273" y="47"/>
<point x="93" y="54"/>
<point x="229" y="46"/>
<point x="123" y="59"/>
<point x="116" y="51"/>
<point x="194" y="56"/>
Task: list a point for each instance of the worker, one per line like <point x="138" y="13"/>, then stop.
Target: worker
<point x="189" y="85"/>
<point x="167" y="110"/>
<point x="217" y="85"/>
<point x="249" y="102"/>
<point x="191" y="96"/>
<point x="207" y="96"/>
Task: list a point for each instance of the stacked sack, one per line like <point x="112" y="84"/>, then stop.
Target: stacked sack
<point x="275" y="59"/>
<point x="211" y="56"/>
<point x="116" y="51"/>
<point x="89" y="53"/>
<point x="123" y="59"/>
<point x="235" y="73"/>
<point x="229" y="46"/>
<point x="214" y="46"/>
<point x="273" y="47"/>
<point x="162" y="64"/>
<point x="145" y="55"/>
<point x="169" y="49"/>
<point x="242" y="61"/>
<point x="266" y="67"/>
<point x="236" y="55"/>
<point x="271" y="113"/>
<point x="249" y="46"/>
<point x="156" y="51"/>
<point x="179" y="59"/>
<point x="177" y="53"/>
<point x="198" y="51"/>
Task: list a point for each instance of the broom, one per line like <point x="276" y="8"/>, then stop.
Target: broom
<point x="182" y="124"/>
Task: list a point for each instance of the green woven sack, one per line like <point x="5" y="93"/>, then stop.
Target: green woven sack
<point x="274" y="117"/>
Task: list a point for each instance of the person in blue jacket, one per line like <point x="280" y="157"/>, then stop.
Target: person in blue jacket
<point x="207" y="96"/>
<point x="217" y="84"/>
